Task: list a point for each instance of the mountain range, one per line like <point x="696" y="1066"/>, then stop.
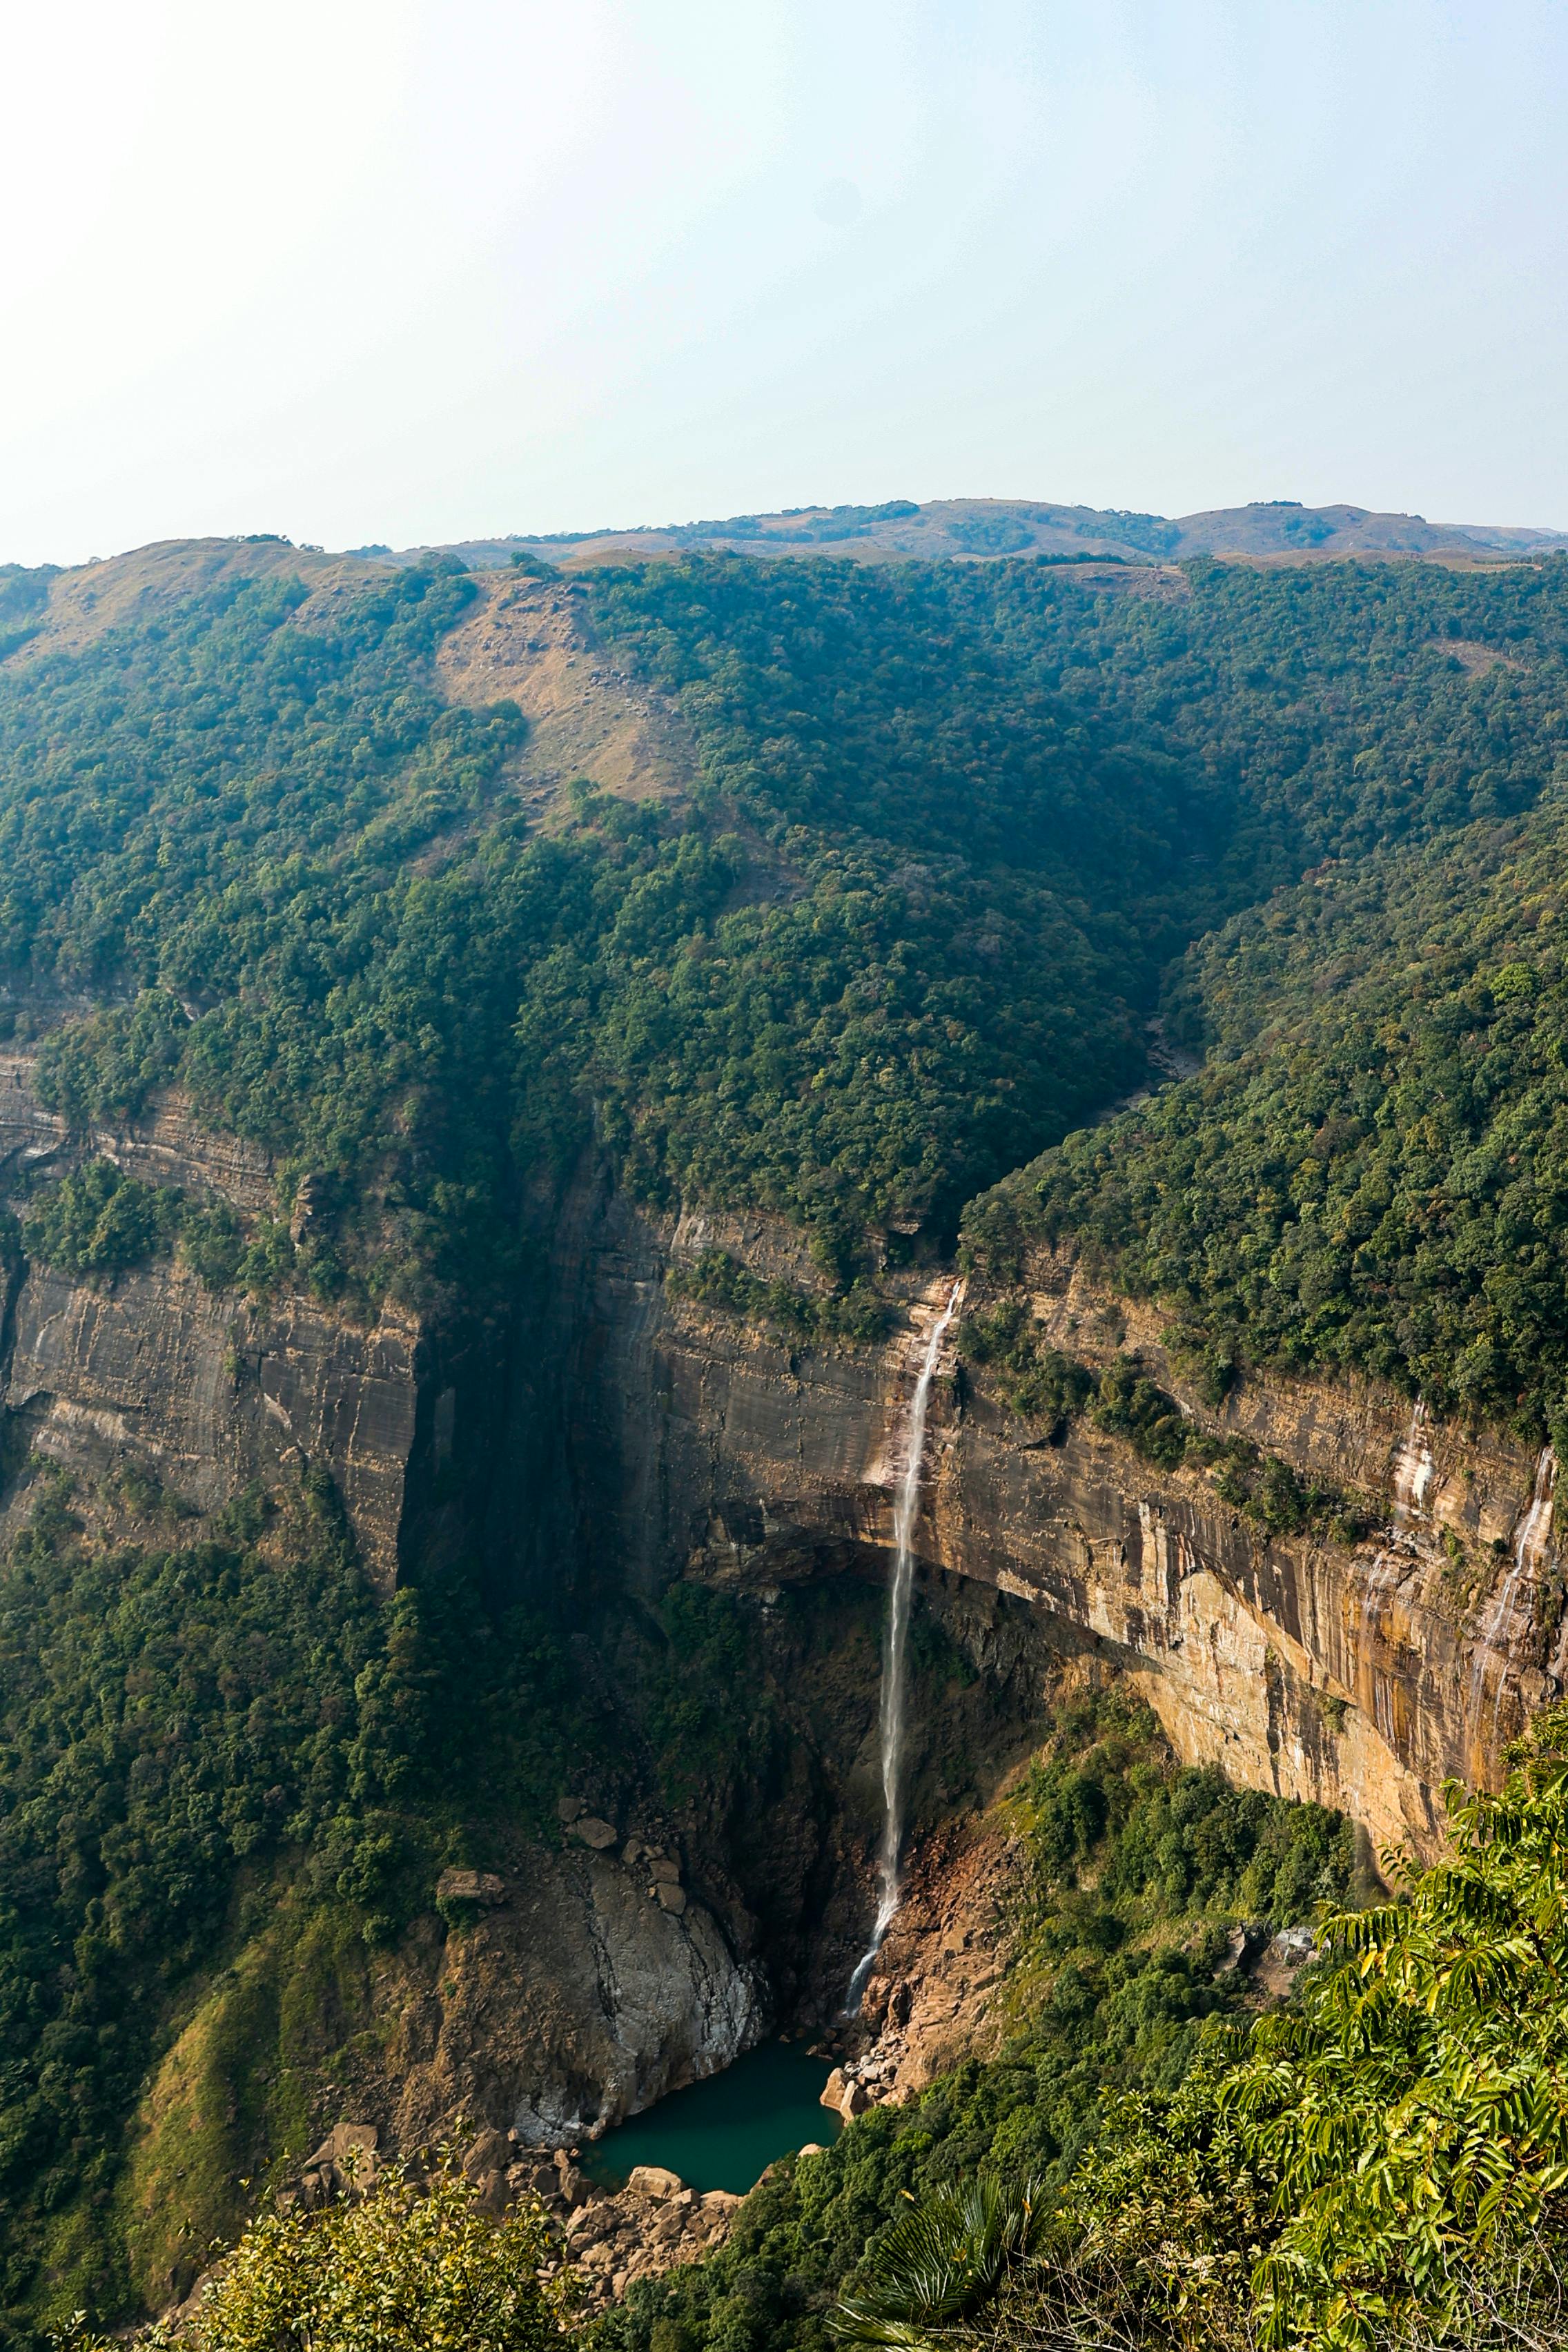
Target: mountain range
<point x="983" y="529"/>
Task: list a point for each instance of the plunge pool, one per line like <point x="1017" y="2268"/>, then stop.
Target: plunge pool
<point x="725" y="2132"/>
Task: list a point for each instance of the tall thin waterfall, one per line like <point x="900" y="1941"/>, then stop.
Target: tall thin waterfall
<point x="906" y="1507"/>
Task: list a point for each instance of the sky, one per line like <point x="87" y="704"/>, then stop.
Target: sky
<point x="417" y="270"/>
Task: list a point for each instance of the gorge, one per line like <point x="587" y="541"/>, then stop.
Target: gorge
<point x="596" y="1194"/>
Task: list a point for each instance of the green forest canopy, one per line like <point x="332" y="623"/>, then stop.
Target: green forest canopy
<point x="1371" y="1169"/>
<point x="948" y="825"/>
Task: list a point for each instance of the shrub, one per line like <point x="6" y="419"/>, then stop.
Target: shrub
<point x="405" y="2267"/>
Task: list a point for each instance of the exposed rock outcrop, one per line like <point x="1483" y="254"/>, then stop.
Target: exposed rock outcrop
<point x="204" y="1390"/>
<point x="1359" y="1675"/>
<point x="650" y="2226"/>
<point x="572" y="2000"/>
<point x="529" y="641"/>
<point x="667" y="1439"/>
<point x="649" y="1437"/>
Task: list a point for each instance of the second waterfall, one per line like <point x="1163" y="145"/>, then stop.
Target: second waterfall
<point x="906" y="1509"/>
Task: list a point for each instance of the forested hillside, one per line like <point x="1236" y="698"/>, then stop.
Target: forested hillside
<point x="950" y="828"/>
<point x="955" y="839"/>
<point x="1369" y="1171"/>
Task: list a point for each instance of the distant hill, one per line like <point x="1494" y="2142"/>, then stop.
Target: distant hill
<point x="1273" y="530"/>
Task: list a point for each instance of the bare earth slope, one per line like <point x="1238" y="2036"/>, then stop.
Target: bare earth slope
<point x="525" y="641"/>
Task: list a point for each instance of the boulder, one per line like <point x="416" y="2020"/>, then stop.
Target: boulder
<point x="664" y="1873"/>
<point x="654" y="2180"/>
<point x="470" y="1886"/>
<point x="346" y="2158"/>
<point x="492" y="2194"/>
<point x="489" y="2152"/>
<point x="595" y="1833"/>
<point x="844" y="2095"/>
<point x="721" y="2201"/>
<point x="568" y="1808"/>
<point x="671" y="1898"/>
<point x="1242" y="1947"/>
<point x="334" y="2148"/>
<point x="1282" y="1961"/>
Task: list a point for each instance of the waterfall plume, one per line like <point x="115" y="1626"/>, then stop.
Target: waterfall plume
<point x="906" y="1509"/>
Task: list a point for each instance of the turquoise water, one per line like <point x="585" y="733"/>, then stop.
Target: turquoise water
<point x="725" y="2132"/>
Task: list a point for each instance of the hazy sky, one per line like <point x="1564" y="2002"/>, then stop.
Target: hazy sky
<point x="412" y="269"/>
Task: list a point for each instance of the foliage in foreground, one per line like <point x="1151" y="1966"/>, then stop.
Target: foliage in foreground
<point x="938" y="2262"/>
<point x="1383" y="2162"/>
<point x="410" y="2266"/>
<point x="1414" y="2107"/>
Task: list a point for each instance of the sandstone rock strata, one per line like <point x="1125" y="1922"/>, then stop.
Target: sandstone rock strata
<point x="202" y="1390"/>
<point x="1362" y="1676"/>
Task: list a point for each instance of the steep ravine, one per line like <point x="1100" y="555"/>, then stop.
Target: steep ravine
<point x="606" y="1442"/>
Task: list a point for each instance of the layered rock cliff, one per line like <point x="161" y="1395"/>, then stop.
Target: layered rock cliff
<point x="1362" y="1676"/>
<point x="605" y="1437"/>
<point x="202" y="1388"/>
<point x="651" y="1436"/>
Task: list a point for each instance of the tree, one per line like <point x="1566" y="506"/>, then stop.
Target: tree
<point x="407" y="2267"/>
<point x="1414" y="2105"/>
<point x="945" y="2258"/>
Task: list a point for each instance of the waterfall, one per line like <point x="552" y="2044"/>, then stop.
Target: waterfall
<point x="906" y="1507"/>
<point x="1534" y="1535"/>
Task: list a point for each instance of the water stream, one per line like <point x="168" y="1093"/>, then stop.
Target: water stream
<point x="1414" y="1468"/>
<point x="906" y="1509"/>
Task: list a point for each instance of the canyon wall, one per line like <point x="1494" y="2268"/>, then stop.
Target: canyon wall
<point x="607" y="1436"/>
<point x="202" y="1390"/>
<point x="624" y="1437"/>
<point x="1362" y="1676"/>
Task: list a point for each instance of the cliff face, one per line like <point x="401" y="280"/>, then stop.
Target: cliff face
<point x="206" y="1393"/>
<point x="654" y="1437"/>
<point x="1360" y="1675"/>
<point x="644" y="1437"/>
<point x="611" y="1437"/>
